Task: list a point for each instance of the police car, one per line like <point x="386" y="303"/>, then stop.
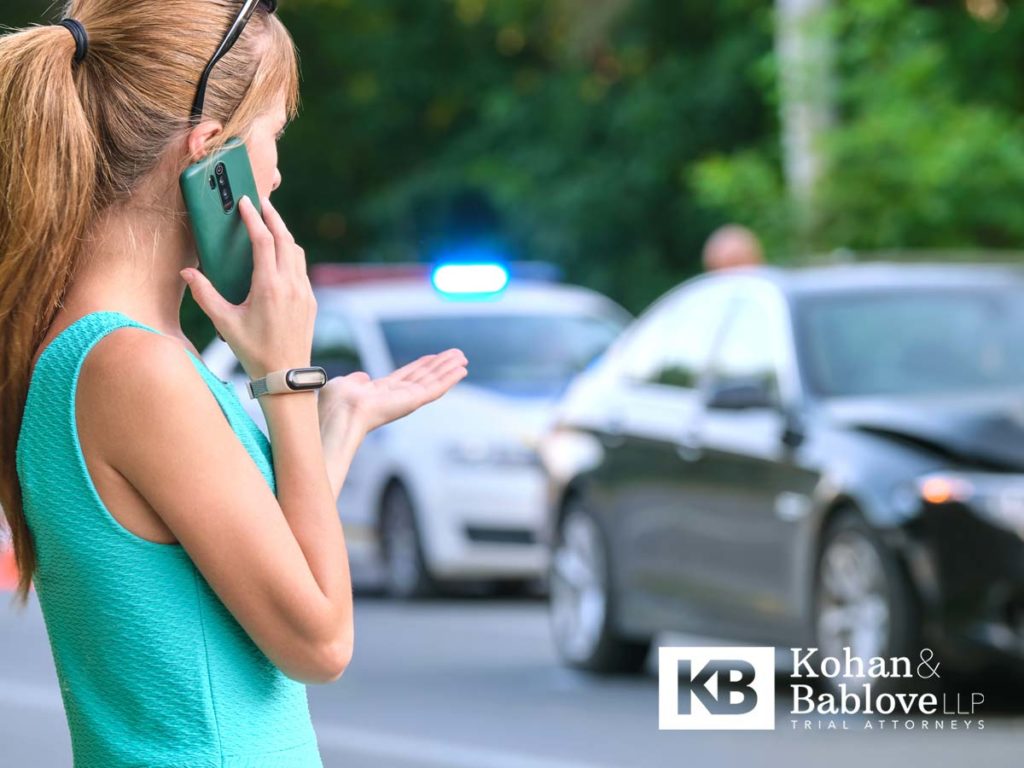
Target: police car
<point x="453" y="494"/>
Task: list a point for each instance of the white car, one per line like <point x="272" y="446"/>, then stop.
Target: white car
<point x="455" y="491"/>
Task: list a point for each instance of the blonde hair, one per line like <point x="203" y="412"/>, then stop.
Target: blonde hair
<point x="76" y="139"/>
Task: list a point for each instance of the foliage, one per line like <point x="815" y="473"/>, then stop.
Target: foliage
<point x="561" y="129"/>
<point x="928" y="148"/>
<point x="433" y="124"/>
<point x="610" y="136"/>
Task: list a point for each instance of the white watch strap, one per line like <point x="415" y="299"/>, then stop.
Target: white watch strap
<point x="272" y="383"/>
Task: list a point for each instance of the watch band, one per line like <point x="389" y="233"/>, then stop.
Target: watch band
<point x="287" y="380"/>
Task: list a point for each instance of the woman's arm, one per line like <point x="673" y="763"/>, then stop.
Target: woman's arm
<point x="310" y="470"/>
<point x="339" y="447"/>
<point x="278" y="563"/>
<point x="157" y="423"/>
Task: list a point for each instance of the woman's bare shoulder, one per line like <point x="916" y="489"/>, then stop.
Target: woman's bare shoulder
<point x="130" y="375"/>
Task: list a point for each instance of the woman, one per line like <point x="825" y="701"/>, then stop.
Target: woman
<point x="192" y="574"/>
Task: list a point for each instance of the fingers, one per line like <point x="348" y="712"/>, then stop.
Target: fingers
<point x="455" y="368"/>
<point x="453" y="377"/>
<point x="264" y="258"/>
<point x="433" y="379"/>
<point x="440" y="362"/>
<point x="399" y="374"/>
<point x="442" y="381"/>
<point x="215" y="306"/>
<point x="423" y="363"/>
<point x="290" y="257"/>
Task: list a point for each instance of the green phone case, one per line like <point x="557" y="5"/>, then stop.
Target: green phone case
<point x="225" y="251"/>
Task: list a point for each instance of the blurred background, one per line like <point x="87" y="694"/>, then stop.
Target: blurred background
<point x="746" y="365"/>
<point x="612" y="136"/>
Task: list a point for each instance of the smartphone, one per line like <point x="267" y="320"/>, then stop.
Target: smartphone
<point x="212" y="188"/>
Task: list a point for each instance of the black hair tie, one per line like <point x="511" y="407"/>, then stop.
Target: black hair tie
<point x="81" y="38"/>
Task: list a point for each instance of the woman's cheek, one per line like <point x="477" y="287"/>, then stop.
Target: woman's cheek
<point x="264" y="177"/>
<point x="262" y="169"/>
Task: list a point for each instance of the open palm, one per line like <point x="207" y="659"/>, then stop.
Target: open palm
<point x="374" y="402"/>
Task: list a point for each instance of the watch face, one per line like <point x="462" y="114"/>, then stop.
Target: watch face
<point x="306" y="378"/>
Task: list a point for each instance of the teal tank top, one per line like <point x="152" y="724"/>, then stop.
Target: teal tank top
<point x="154" y="671"/>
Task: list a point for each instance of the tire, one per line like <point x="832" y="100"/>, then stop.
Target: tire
<point x="582" y="606"/>
<point x="406" y="574"/>
<point x="862" y="598"/>
<point x="511" y="588"/>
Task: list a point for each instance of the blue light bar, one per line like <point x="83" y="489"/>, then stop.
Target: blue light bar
<point x="465" y="279"/>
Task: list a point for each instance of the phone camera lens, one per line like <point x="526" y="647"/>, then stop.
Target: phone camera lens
<point x="227" y="199"/>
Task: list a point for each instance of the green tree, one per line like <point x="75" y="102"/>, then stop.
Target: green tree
<point x="579" y="140"/>
<point x="563" y="130"/>
<point x="929" y="148"/>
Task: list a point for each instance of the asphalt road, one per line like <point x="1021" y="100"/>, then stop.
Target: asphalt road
<point x="474" y="683"/>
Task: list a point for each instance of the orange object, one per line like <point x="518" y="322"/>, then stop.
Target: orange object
<point x="8" y="570"/>
<point x="941" y="490"/>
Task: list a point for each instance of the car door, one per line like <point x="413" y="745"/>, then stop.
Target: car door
<point x="646" y="441"/>
<point x="745" y="483"/>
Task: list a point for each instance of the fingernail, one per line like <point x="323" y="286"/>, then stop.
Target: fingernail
<point x="186" y="275"/>
<point x="244" y="199"/>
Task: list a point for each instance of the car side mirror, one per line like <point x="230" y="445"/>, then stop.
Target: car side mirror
<point x="741" y="394"/>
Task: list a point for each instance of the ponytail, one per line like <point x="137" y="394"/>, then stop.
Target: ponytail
<point x="48" y="164"/>
<point x="78" y="133"/>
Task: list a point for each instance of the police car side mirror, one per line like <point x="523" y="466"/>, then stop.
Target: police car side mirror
<point x="741" y="394"/>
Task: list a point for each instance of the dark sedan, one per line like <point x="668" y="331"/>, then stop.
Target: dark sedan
<point x="828" y="457"/>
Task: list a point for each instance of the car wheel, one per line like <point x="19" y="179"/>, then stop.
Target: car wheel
<point x="406" y="574"/>
<point x="582" y="604"/>
<point x="503" y="588"/>
<point x="862" y="600"/>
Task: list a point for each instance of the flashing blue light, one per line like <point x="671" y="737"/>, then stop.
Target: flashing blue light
<point x="466" y="279"/>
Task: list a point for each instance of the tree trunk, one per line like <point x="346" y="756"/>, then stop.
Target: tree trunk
<point x="804" y="54"/>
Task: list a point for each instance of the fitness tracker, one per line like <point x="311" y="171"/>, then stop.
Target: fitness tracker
<point x="287" y="380"/>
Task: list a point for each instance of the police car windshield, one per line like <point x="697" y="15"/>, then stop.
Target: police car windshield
<point x="516" y="354"/>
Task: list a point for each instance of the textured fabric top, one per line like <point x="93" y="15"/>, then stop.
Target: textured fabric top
<point x="154" y="670"/>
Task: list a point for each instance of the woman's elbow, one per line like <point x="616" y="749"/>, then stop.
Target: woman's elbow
<point x="318" y="665"/>
<point x="334" y="659"/>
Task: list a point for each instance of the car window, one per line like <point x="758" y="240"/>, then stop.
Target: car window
<point x="905" y="341"/>
<point x="674" y="344"/>
<point x="525" y="354"/>
<point x="750" y="349"/>
<point x="334" y="345"/>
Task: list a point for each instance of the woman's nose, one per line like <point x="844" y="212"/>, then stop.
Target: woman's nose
<point x="277" y="180"/>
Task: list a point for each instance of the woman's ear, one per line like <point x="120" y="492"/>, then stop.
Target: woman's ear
<point x="199" y="138"/>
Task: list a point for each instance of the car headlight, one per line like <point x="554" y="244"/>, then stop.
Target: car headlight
<point x="566" y="453"/>
<point x="492" y="454"/>
<point x="999" y="497"/>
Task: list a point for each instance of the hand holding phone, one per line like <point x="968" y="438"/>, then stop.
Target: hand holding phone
<point x="272" y="328"/>
<point x="211" y="189"/>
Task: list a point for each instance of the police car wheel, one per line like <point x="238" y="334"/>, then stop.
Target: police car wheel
<point x="406" y="574"/>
